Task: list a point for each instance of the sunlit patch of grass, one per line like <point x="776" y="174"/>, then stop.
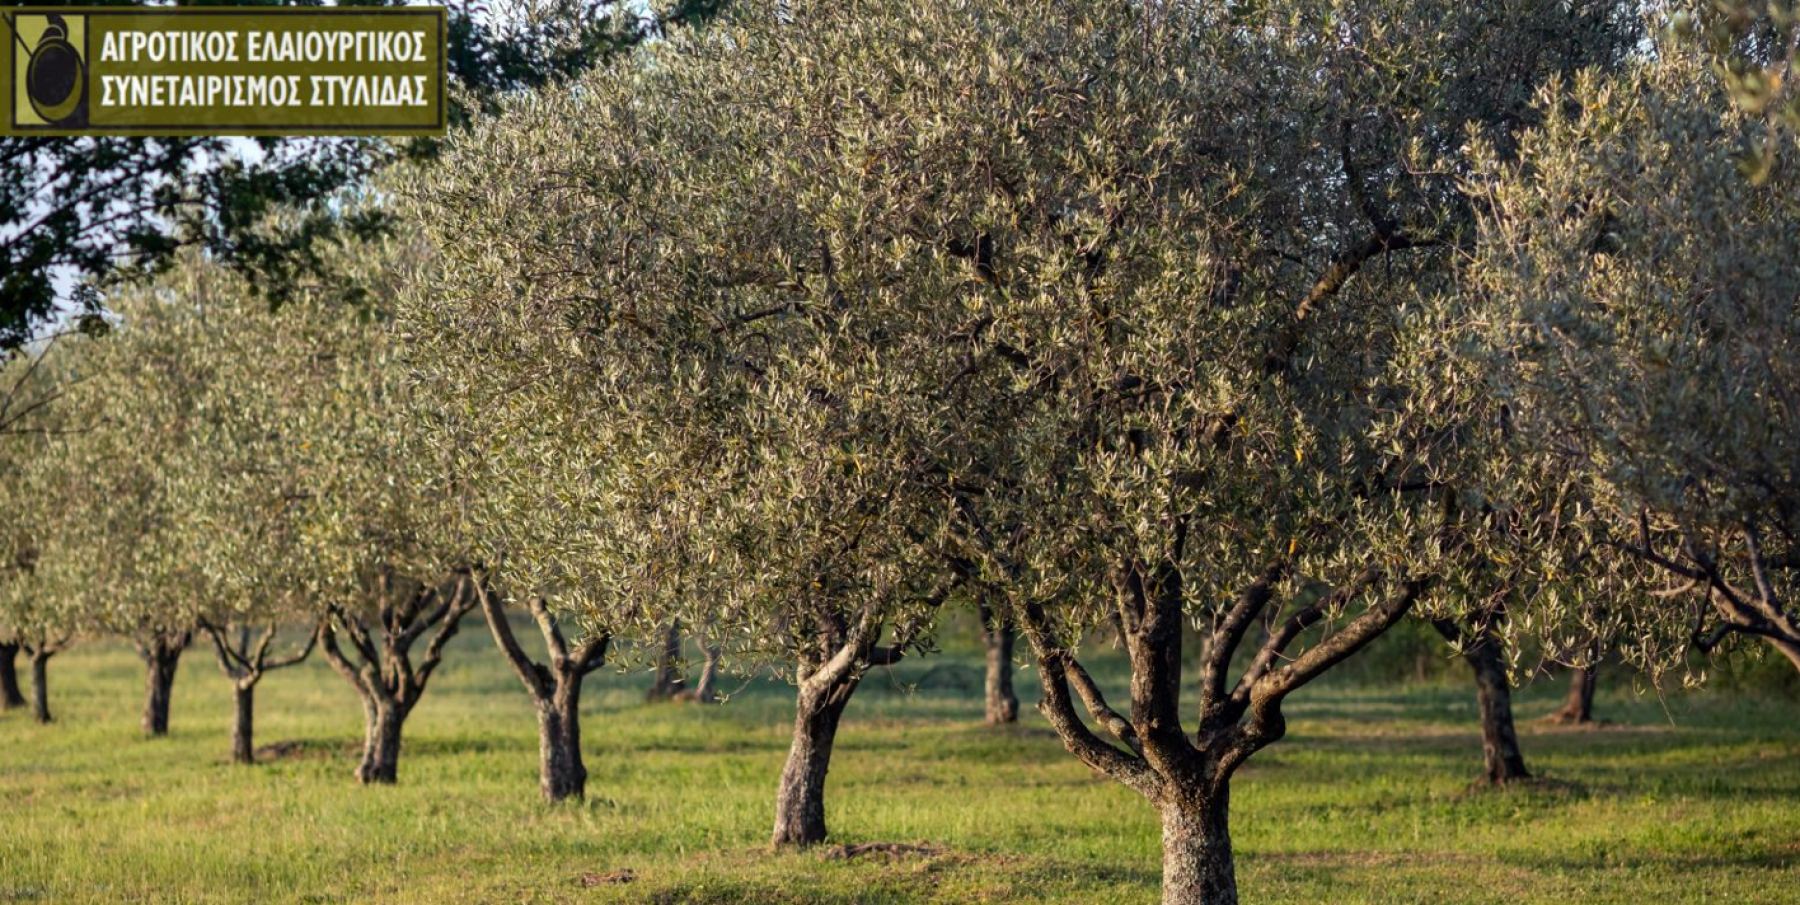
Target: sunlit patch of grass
<point x="1368" y="800"/>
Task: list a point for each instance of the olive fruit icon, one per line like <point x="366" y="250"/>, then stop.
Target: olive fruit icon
<point x="56" y="78"/>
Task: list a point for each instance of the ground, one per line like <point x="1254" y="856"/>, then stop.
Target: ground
<point x="1690" y="798"/>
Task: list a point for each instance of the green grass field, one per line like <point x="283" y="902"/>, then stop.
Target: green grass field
<point x="1367" y="800"/>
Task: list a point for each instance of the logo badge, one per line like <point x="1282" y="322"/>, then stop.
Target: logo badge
<point x="50" y="71"/>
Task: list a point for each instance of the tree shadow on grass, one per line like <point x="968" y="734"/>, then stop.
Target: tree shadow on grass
<point x="911" y="873"/>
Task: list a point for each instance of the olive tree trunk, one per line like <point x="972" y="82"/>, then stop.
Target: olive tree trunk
<point x="669" y="680"/>
<point x="555" y="690"/>
<point x="1186" y="776"/>
<point x="1502" y="761"/>
<point x="828" y="674"/>
<point x="562" y="775"/>
<point x="706" y="689"/>
<point x="382" y="722"/>
<point x="1578" y="708"/>
<point x="1196" y="837"/>
<point x="1002" y="702"/>
<point x="10" y="696"/>
<point x="161" y="655"/>
<point x="379" y="662"/>
<point x="243" y="724"/>
<point x="244" y="658"/>
<point x="800" y="801"/>
<point x="40" y="685"/>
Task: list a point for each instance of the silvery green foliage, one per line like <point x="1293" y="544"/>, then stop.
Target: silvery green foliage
<point x="34" y="555"/>
<point x="865" y="299"/>
<point x="381" y="524"/>
<point x="128" y="472"/>
<point x="1643" y="269"/>
<point x="239" y="463"/>
<point x="247" y="481"/>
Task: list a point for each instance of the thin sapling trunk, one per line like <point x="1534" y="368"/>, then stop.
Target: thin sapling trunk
<point x="244" y="658"/>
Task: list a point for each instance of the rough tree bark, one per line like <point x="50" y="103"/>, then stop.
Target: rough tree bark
<point x="161" y="653"/>
<point x="1578" y="707"/>
<point x="1197" y="859"/>
<point x="669" y="680"/>
<point x="1187" y="778"/>
<point x="826" y="678"/>
<point x="800" y="800"/>
<point x="555" y="690"/>
<point x="243" y="657"/>
<point x="1502" y="761"/>
<point x="382" y="671"/>
<point x="997" y="635"/>
<point x="10" y="695"/>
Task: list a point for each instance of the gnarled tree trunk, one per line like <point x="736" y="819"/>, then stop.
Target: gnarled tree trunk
<point x="162" y="655"/>
<point x="828" y="674"/>
<point x="1187" y="776"/>
<point x="382" y="721"/>
<point x="10" y="695"/>
<point x="384" y="675"/>
<point x="561" y="773"/>
<point x="1197" y="860"/>
<point x="1578" y="708"/>
<point x="555" y="690"/>
<point x="800" y="802"/>
<point x="997" y="635"/>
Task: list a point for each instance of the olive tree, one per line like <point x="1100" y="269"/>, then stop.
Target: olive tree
<point x="530" y="449"/>
<point x="243" y="492"/>
<point x="1640" y="258"/>
<point x="132" y="524"/>
<point x="391" y="568"/>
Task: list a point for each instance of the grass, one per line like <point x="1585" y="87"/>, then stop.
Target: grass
<point x="1367" y="800"/>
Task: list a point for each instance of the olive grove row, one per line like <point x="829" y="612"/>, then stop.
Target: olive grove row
<point x="1278" y="323"/>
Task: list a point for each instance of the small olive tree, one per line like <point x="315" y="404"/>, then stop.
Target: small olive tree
<point x="392" y="567"/>
<point x="243" y="492"/>
<point x="151" y="391"/>
<point x="530" y="450"/>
